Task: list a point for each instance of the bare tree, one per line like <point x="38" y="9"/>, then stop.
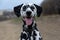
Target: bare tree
<point x="51" y="7"/>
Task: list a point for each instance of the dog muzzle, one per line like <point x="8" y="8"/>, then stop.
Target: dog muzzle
<point x="28" y="20"/>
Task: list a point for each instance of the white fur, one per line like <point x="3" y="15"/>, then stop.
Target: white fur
<point x="23" y="13"/>
<point x="22" y="39"/>
<point x="38" y="36"/>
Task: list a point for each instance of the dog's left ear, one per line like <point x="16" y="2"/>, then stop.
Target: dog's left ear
<point x="17" y="10"/>
<point x="39" y="10"/>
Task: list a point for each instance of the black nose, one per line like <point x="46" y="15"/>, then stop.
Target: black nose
<point x="28" y="13"/>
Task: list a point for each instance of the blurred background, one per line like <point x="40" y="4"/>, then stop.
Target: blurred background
<point x="48" y="23"/>
<point x="50" y="7"/>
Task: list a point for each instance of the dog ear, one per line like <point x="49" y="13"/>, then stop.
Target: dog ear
<point x="17" y="10"/>
<point x="39" y="10"/>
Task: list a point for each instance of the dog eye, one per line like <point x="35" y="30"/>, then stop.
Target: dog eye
<point x="24" y="8"/>
<point x="32" y="8"/>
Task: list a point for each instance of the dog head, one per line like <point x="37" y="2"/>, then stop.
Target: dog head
<point x="28" y="12"/>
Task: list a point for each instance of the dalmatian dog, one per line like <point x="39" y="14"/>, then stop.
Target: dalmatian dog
<point x="28" y="13"/>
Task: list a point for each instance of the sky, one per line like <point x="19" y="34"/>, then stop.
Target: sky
<point x="9" y="4"/>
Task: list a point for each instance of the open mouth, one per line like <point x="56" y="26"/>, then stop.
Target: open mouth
<point x="28" y="20"/>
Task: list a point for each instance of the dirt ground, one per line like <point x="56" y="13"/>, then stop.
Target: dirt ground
<point x="50" y="29"/>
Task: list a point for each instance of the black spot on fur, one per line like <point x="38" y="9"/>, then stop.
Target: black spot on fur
<point x="17" y="10"/>
<point x="23" y="36"/>
<point x="34" y="33"/>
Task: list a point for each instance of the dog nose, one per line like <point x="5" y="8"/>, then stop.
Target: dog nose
<point x="28" y="13"/>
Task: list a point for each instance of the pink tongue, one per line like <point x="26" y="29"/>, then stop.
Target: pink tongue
<point x="28" y="21"/>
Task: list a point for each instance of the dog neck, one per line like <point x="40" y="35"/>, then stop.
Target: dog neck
<point x="29" y="28"/>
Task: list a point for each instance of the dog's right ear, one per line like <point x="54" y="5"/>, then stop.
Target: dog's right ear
<point x="39" y="10"/>
<point x="17" y="10"/>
